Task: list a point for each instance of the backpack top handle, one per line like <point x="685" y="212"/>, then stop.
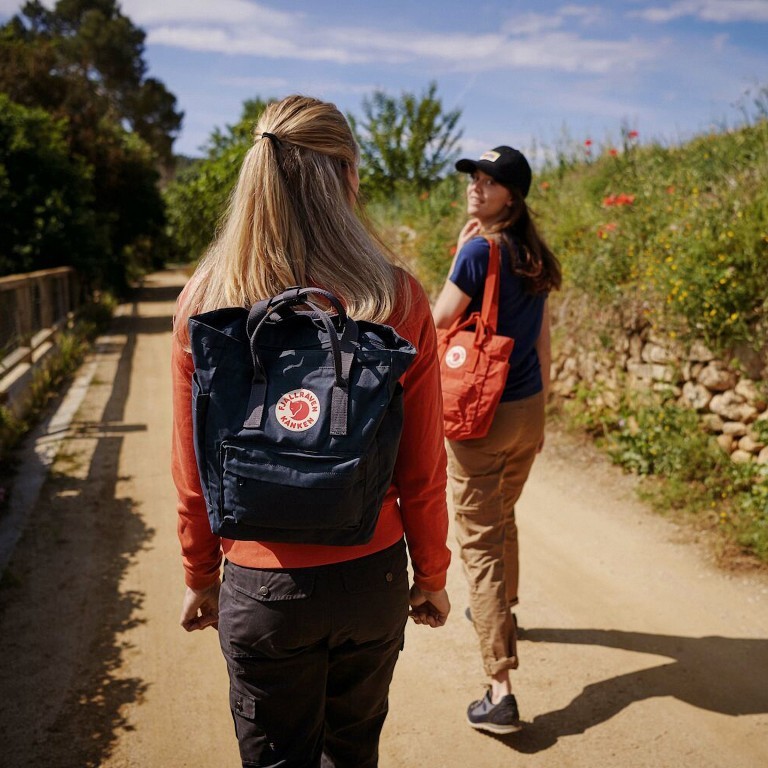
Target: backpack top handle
<point x="342" y="348"/>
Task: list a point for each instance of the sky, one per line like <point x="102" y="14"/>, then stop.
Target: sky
<point x="541" y="76"/>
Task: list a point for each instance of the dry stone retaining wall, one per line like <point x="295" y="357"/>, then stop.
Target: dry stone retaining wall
<point x="629" y="357"/>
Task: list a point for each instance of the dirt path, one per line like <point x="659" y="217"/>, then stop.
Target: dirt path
<point x="636" y="650"/>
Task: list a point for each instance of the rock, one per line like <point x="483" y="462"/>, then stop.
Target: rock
<point x="712" y="422"/>
<point x="749" y="391"/>
<point x="696" y="396"/>
<point x="741" y="457"/>
<point x="725" y="442"/>
<point x="565" y="386"/>
<point x="734" y="429"/>
<point x="762" y="457"/>
<point x="569" y="366"/>
<point x="716" y="378"/>
<point x="587" y="367"/>
<point x="732" y="407"/>
<point x="750" y="445"/>
<point x="654" y="353"/>
<point x="699" y="352"/>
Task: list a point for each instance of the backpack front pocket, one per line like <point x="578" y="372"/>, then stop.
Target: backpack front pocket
<point x="290" y="495"/>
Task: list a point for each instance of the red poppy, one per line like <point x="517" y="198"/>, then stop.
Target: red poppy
<point x="613" y="152"/>
<point x="603" y="231"/>
<point x="632" y="135"/>
<point x="588" y="143"/>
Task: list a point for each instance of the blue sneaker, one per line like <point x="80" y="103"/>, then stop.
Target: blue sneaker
<point x="496" y="718"/>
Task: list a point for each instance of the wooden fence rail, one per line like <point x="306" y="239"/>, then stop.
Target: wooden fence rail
<point x="34" y="308"/>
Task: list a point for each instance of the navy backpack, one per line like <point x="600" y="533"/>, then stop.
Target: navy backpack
<point x="297" y="416"/>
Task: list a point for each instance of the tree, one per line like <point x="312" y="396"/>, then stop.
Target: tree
<point x="82" y="62"/>
<point x="406" y="143"/>
<point x="45" y="195"/>
<point x="197" y="199"/>
<point x="87" y="53"/>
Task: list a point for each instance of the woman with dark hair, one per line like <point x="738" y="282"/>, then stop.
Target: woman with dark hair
<point x="486" y="475"/>
<point x="311" y="633"/>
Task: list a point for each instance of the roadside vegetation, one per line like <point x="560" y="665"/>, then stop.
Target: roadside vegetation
<point x="72" y="345"/>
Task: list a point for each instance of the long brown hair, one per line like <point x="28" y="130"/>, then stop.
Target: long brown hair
<point x="291" y="221"/>
<point x="531" y="258"/>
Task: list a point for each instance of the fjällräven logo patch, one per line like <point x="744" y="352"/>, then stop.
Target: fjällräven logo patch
<point x="297" y="410"/>
<point x="456" y="356"/>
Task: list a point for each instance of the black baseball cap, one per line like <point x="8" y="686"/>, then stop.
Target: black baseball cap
<point x="506" y="165"/>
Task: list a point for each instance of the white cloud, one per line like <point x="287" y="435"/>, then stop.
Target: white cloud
<point x="723" y="11"/>
<point x="535" y="42"/>
<point x="220" y="13"/>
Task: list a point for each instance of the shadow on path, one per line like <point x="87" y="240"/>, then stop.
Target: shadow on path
<point x="61" y="609"/>
<point x="719" y="674"/>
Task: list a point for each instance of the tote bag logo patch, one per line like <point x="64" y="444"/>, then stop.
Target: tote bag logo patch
<point x="298" y="410"/>
<point x="456" y="356"/>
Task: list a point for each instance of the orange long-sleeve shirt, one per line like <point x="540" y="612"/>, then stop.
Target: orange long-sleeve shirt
<point x="415" y="504"/>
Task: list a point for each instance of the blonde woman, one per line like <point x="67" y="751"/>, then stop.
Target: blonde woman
<point x="311" y="633"/>
<point x="487" y="475"/>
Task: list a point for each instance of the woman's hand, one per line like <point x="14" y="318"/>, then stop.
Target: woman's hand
<point x="429" y="607"/>
<point x="468" y="231"/>
<point x="200" y="608"/>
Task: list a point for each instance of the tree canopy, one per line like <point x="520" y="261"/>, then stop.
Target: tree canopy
<point x="82" y="62"/>
<point x="406" y="143"/>
<point x="197" y="199"/>
<point x="45" y="193"/>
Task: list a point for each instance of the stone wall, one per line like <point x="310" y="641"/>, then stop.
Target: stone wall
<point x="615" y="355"/>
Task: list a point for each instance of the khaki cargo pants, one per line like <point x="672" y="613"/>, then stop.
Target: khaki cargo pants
<point x="486" y="477"/>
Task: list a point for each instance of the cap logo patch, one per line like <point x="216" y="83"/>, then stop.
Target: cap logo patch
<point x="297" y="410"/>
<point x="456" y="356"/>
<point x="490" y="155"/>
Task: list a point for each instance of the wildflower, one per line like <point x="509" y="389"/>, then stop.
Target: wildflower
<point x="613" y="152"/>
<point x="603" y="231"/>
<point x="621" y="199"/>
<point x="452" y="250"/>
<point x="424" y="196"/>
<point x="632" y="135"/>
<point x="544" y="185"/>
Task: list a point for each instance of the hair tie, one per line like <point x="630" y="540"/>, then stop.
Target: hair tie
<point x="271" y="136"/>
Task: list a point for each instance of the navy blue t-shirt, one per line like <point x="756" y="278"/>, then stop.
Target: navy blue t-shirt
<point x="520" y="314"/>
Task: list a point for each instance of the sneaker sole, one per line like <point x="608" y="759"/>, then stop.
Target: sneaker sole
<point x="496" y="727"/>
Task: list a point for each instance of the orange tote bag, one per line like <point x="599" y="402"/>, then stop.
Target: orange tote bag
<point x="474" y="362"/>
